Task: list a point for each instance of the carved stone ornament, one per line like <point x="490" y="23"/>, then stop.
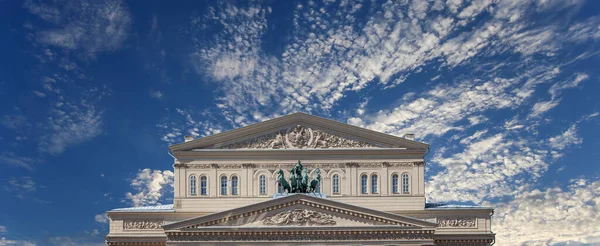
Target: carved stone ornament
<point x="457" y="222"/>
<point x="150" y="224"/>
<point x="298" y="137"/>
<point x="295" y="236"/>
<point x="275" y="166"/>
<point x="299" y="217"/>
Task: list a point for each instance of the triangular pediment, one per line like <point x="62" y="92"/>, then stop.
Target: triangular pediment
<point x="299" y="131"/>
<point x="297" y="211"/>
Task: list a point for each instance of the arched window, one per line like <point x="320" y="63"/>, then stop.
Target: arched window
<point x="223" y="185"/>
<point x="203" y="185"/>
<point x="262" y="185"/>
<point x="374" y="184"/>
<point x="193" y="185"/>
<point x="336" y="184"/>
<point x="395" y="183"/>
<point x="234" y="185"/>
<point x="363" y="184"/>
<point x="405" y="187"/>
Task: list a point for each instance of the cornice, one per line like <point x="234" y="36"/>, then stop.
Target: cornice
<point x="295" y="154"/>
<point x="258" y="236"/>
<point x="271" y="166"/>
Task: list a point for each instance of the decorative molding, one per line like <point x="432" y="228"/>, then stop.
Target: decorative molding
<point x="299" y="217"/>
<point x="297" y="202"/>
<point x="467" y="242"/>
<point x="148" y="224"/>
<point x="275" y="166"/>
<point x="180" y="165"/>
<point x="463" y="222"/>
<point x="300" y="236"/>
<point x="297" y="137"/>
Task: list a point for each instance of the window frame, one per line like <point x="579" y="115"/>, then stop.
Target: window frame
<point x="224" y="187"/>
<point x="203" y="185"/>
<point x="235" y="185"/>
<point x="364" y="184"/>
<point x="395" y="184"/>
<point x="405" y="183"/>
<point x="262" y="184"/>
<point x="374" y="183"/>
<point x="193" y="185"/>
<point x="335" y="184"/>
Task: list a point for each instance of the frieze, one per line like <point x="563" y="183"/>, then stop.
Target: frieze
<point x="275" y="166"/>
<point x="468" y="222"/>
<point x="300" y="236"/>
<point x="298" y="137"/>
<point x="149" y="224"/>
<point x="299" y="217"/>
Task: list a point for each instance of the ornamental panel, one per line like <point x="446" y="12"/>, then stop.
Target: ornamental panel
<point x="298" y="137"/>
<point x="463" y="222"/>
<point x="147" y="224"/>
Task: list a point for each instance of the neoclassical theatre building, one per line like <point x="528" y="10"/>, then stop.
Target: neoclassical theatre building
<point x="372" y="192"/>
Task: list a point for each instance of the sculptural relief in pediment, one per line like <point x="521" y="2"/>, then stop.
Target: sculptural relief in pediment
<point x="298" y="137"/>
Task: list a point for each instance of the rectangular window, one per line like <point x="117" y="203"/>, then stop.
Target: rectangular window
<point x="203" y="185"/>
<point x="336" y="184"/>
<point x="363" y="184"/>
<point x="234" y="185"/>
<point x="262" y="185"/>
<point x="223" y="185"/>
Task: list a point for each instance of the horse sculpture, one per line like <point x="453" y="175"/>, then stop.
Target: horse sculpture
<point x="284" y="184"/>
<point x="315" y="182"/>
<point x="300" y="180"/>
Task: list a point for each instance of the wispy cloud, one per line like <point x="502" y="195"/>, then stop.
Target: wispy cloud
<point x="24" y="188"/>
<point x="332" y="52"/>
<point x="156" y="94"/>
<point x="13" y="159"/>
<point x="86" y="26"/>
<point x="181" y="123"/>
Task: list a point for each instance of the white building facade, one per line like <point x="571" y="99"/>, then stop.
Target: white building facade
<point x="373" y="183"/>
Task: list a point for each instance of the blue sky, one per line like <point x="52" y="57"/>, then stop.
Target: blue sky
<point x="93" y="92"/>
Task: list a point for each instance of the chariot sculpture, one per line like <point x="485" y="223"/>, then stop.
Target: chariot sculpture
<point x="299" y="181"/>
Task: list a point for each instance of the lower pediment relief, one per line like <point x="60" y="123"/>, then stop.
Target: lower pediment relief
<point x="305" y="217"/>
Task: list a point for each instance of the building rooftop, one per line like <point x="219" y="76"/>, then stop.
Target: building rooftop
<point x="157" y="208"/>
<point x="433" y="206"/>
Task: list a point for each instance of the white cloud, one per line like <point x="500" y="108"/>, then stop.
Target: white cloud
<point x="183" y="123"/>
<point x="21" y="187"/>
<point x="156" y="94"/>
<point x="567" y="138"/>
<point x="14" y="121"/>
<point x="13" y="159"/>
<point x="39" y="93"/>
<point x="101" y="218"/>
<point x="150" y="187"/>
<point x="550" y="216"/>
<point x="3" y="229"/>
<point x="89" y="26"/>
<point x="318" y="67"/>
<point x="68" y="125"/>
<point x="4" y="241"/>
